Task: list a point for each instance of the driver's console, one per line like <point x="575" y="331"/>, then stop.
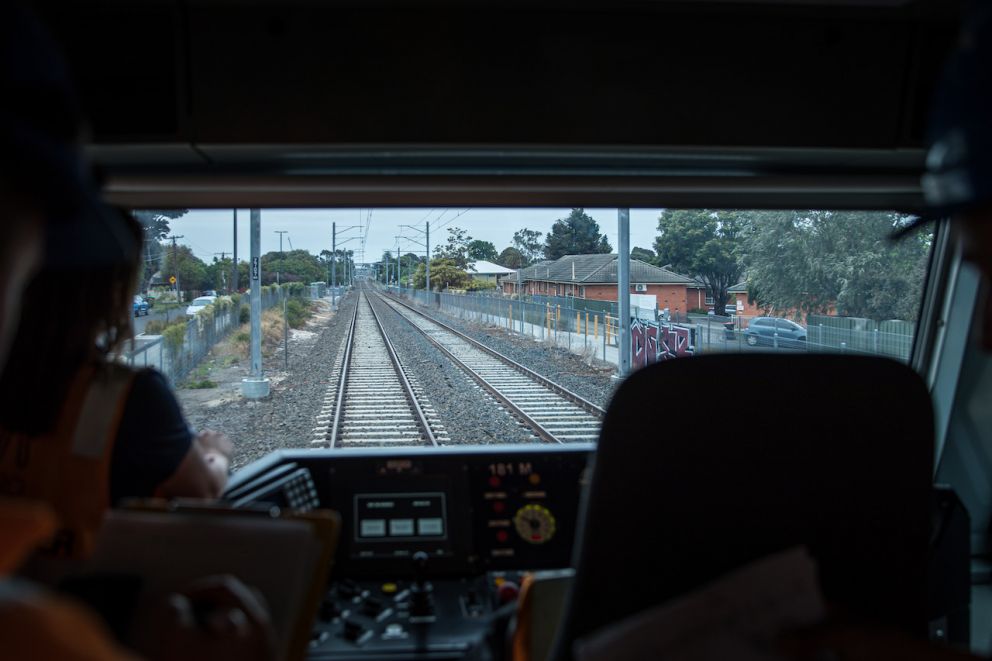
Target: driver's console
<point x="433" y="540"/>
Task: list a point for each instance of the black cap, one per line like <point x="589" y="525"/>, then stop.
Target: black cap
<point x="41" y="155"/>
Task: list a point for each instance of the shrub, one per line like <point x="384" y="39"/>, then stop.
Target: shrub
<point x="174" y="336"/>
<point x="158" y="326"/>
<point x="297" y="312"/>
<point x="201" y="384"/>
<point x="244" y="314"/>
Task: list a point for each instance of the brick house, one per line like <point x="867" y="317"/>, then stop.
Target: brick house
<point x="748" y="309"/>
<point x="595" y="277"/>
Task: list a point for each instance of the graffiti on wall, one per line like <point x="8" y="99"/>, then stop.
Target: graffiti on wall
<point x="653" y="342"/>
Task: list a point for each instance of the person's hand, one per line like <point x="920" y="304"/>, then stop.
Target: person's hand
<point x="213" y="619"/>
<point x="215" y="441"/>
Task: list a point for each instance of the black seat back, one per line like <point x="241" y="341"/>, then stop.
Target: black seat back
<point x="707" y="463"/>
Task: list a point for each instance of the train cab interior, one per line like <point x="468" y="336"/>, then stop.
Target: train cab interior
<point x="881" y="466"/>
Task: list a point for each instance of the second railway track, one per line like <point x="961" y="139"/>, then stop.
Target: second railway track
<point x="551" y="412"/>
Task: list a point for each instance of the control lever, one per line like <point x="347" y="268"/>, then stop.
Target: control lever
<point x="421" y="599"/>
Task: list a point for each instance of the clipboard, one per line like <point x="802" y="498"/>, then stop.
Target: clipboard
<point x="286" y="556"/>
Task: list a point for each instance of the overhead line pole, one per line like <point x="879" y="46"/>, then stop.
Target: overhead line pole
<point x="623" y="289"/>
<point x="175" y="262"/>
<point x="234" y="270"/>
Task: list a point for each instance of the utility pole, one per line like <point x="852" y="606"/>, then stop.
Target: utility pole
<point x="281" y="255"/>
<point x="234" y="270"/>
<point x="223" y="276"/>
<point x="175" y="264"/>
<point x="623" y="289"/>
<point x="256" y="386"/>
<point x="334" y="256"/>
<point x="426" y="245"/>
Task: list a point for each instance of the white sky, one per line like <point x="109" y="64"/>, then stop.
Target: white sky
<point x="209" y="231"/>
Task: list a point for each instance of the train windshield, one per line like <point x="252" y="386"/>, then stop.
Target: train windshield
<point x="465" y="326"/>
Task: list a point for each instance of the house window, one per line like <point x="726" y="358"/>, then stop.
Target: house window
<point x="582" y="291"/>
<point x="709" y="300"/>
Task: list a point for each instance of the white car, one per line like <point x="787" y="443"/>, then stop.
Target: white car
<point x="197" y="305"/>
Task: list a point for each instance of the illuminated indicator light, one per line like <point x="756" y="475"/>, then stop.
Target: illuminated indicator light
<point x="389" y="588"/>
<point x="499" y="506"/>
<point x="502" y="536"/>
<point x="499" y="581"/>
<point x="535" y="478"/>
<point x="494" y="481"/>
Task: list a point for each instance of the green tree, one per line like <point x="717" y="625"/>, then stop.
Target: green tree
<point x="482" y="250"/>
<point x="188" y="269"/>
<point x="703" y="244"/>
<point x="445" y="274"/>
<point x="292" y="266"/>
<point x="643" y="254"/>
<point x="511" y="258"/>
<point x="812" y="261"/>
<point x="578" y="234"/>
<point x="155" y="223"/>
<point x="388" y="267"/>
<point x="218" y="274"/>
<point x="528" y="243"/>
<point x="455" y="249"/>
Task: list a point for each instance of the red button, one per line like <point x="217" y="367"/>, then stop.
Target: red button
<point x="502" y="536"/>
<point x="507" y="592"/>
<point x="499" y="506"/>
<point x="494" y="481"/>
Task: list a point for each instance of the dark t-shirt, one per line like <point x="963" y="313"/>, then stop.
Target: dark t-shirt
<point x="152" y="440"/>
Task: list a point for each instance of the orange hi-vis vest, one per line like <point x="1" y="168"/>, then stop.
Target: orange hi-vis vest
<point x="69" y="468"/>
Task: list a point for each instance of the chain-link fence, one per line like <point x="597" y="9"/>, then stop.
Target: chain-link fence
<point x="180" y="347"/>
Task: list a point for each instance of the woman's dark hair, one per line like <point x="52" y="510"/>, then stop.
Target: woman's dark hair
<point x="70" y="318"/>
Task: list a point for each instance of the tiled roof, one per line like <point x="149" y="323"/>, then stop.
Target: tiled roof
<point x="739" y="288"/>
<point x="599" y="268"/>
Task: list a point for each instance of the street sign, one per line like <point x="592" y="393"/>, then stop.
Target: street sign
<point x="172" y="279"/>
<point x="255" y="268"/>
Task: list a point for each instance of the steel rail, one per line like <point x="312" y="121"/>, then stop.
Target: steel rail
<point x="543" y="380"/>
<point x="343" y="379"/>
<point x="538" y="428"/>
<point x="421" y="417"/>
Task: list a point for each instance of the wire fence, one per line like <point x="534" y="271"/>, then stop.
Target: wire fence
<point x="595" y="332"/>
<point x="181" y="347"/>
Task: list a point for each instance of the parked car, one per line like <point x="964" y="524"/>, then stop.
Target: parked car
<point x="775" y="331"/>
<point x="140" y="306"/>
<point x="210" y="292"/>
<point x="197" y="305"/>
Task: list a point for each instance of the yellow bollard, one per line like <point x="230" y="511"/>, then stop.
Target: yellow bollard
<point x="606" y="329"/>
<point x="558" y="315"/>
<point x="586" y="331"/>
<point x="511" y="317"/>
<point x="578" y="322"/>
<point x="547" y="318"/>
<point x="595" y="327"/>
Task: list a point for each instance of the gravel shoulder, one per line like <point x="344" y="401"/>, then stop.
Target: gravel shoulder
<point x="469" y="414"/>
<point x="592" y="379"/>
<point x="285" y="419"/>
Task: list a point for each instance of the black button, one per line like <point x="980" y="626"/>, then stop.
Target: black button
<point x="353" y="630"/>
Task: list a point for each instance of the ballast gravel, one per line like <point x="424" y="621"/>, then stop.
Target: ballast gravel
<point x="468" y="413"/>
<point x="286" y="419"/>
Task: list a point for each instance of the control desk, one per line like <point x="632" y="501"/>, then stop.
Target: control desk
<point x="433" y="540"/>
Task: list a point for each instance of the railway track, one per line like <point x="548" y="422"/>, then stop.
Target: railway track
<point x="372" y="401"/>
<point x="551" y="412"/>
